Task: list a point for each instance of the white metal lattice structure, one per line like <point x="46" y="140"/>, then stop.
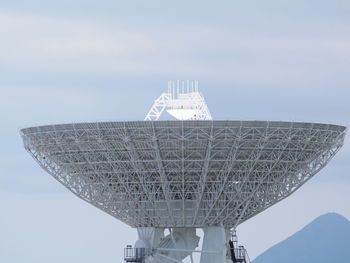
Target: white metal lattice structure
<point x="183" y="173"/>
<point x="183" y="101"/>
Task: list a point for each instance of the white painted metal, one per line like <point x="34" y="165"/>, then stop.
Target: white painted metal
<point x="183" y="173"/>
<point x="176" y="246"/>
<point x="183" y="101"/>
<point x="215" y="239"/>
<point x="149" y="237"/>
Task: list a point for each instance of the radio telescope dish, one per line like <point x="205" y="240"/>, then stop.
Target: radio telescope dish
<point x="189" y="173"/>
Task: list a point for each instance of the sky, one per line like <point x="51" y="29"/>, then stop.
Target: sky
<point x="76" y="61"/>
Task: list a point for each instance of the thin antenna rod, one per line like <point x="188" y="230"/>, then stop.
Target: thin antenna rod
<point x="178" y="86"/>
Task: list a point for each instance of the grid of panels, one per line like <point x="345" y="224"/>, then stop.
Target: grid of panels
<point x="183" y="173"/>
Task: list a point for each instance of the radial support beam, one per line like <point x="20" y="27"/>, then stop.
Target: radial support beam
<point x="204" y="174"/>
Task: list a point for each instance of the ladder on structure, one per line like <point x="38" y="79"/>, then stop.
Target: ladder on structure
<point x="238" y="253"/>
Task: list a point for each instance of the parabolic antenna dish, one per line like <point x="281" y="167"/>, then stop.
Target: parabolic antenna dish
<point x="183" y="173"/>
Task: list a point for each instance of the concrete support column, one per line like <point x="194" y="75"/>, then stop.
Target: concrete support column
<point x="149" y="237"/>
<point x="215" y="240"/>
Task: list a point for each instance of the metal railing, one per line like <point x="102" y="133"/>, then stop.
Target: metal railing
<point x="241" y="255"/>
<point x="138" y="255"/>
<point x="135" y="255"/>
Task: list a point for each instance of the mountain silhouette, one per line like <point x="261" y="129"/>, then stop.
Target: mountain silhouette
<point x="324" y="240"/>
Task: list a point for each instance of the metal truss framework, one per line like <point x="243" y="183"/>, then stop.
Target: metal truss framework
<point x="183" y="173"/>
<point x="182" y="100"/>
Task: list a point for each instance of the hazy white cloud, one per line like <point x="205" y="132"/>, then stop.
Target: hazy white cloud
<point x="42" y="42"/>
<point x="62" y="44"/>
